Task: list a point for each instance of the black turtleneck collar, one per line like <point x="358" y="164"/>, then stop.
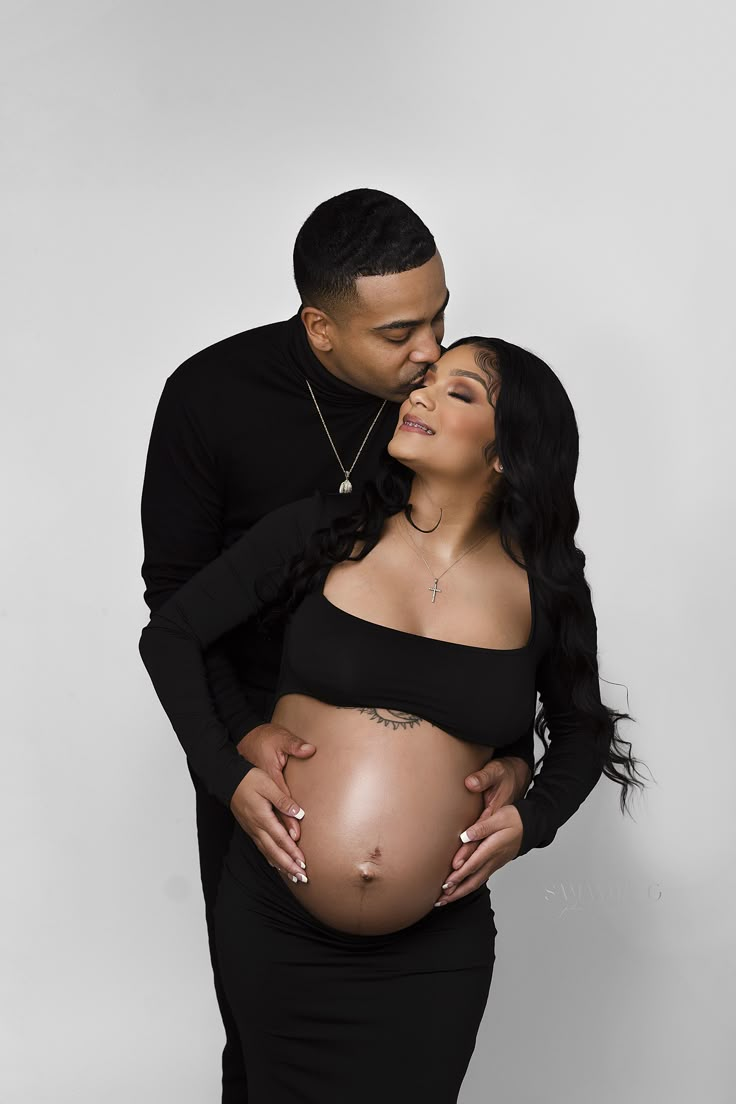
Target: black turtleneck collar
<point x="327" y="386"/>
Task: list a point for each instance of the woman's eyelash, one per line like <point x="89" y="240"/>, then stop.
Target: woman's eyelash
<point x="454" y="394"/>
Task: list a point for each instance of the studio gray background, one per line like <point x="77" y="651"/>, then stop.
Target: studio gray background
<point x="575" y="162"/>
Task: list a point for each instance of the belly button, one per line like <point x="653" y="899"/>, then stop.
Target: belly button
<point x="367" y="871"/>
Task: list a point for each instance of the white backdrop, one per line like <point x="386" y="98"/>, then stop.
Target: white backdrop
<point x="575" y="162"/>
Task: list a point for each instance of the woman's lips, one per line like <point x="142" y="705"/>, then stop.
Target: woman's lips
<point x="414" y="425"/>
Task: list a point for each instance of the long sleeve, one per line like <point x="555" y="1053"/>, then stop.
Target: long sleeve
<point x="229" y="591"/>
<point x="182" y="517"/>
<point x="571" y="766"/>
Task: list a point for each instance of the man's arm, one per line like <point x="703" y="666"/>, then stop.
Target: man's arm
<point x="226" y="593"/>
<point x="182" y="510"/>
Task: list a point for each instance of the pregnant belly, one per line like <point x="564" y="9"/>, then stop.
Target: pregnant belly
<point x="385" y="802"/>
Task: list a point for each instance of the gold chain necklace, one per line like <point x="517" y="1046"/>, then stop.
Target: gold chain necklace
<point x="434" y="589"/>
<point x="346" y="486"/>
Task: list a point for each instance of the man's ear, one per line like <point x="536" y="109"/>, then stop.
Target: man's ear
<point x="318" y="325"/>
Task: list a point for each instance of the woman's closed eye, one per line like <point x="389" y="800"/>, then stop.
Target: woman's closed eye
<point x="420" y="383"/>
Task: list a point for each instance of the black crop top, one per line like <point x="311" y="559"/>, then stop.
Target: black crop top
<point x="484" y="695"/>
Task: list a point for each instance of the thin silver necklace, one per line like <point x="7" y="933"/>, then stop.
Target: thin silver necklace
<point x="346" y="486"/>
<point x="434" y="589"/>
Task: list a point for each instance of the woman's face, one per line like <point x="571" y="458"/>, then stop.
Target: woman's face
<point x="447" y="422"/>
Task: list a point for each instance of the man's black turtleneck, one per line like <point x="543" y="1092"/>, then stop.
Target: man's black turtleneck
<point x="236" y="435"/>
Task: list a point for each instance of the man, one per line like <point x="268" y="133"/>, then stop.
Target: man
<point x="269" y="416"/>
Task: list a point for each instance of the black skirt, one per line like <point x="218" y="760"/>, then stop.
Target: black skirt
<point x="327" y="1017"/>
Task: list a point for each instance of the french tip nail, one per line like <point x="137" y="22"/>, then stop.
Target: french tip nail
<point x="299" y="815"/>
<point x="293" y="877"/>
<point x="465" y="837"/>
<point x="446" y="885"/>
<point x="302" y="865"/>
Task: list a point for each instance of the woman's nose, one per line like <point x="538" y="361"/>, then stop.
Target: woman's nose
<point x="422" y="396"/>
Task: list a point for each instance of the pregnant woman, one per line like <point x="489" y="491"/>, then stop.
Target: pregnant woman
<point x="425" y="618"/>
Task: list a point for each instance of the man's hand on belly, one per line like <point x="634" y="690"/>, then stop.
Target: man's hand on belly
<point x="268" y="747"/>
<point x="502" y="781"/>
<point x="255" y="805"/>
<point x="496" y="840"/>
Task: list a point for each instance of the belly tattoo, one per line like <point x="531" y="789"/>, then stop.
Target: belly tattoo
<point x="390" y="718"/>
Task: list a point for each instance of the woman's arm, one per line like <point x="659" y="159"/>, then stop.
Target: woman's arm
<point x="173" y="646"/>
<point x="571" y="766"/>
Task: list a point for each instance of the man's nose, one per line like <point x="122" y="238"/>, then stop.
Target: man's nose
<point x="426" y="349"/>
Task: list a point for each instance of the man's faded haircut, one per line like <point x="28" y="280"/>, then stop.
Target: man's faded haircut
<point x="358" y="233"/>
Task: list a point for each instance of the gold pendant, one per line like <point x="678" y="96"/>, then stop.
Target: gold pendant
<point x="346" y="487"/>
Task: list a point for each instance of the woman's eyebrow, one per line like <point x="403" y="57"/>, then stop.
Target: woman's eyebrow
<point x="470" y="375"/>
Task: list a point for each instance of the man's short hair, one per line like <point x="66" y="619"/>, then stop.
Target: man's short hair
<point x="363" y="232"/>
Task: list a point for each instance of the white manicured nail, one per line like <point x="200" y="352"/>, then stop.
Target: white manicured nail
<point x="298" y="814"/>
<point x="447" y="885"/>
<point x="302" y="865"/>
<point x="293" y="877"/>
<point x="465" y="837"/>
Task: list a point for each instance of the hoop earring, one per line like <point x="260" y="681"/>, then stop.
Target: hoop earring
<point x="407" y="514"/>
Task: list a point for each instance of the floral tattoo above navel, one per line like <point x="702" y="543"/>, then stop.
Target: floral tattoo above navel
<point x="390" y="718"/>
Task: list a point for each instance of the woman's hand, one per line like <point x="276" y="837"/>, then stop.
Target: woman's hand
<point x="255" y="805"/>
<point x="269" y="746"/>
<point x="496" y="840"/>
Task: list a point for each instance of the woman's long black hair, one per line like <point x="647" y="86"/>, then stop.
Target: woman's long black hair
<point x="534" y="508"/>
